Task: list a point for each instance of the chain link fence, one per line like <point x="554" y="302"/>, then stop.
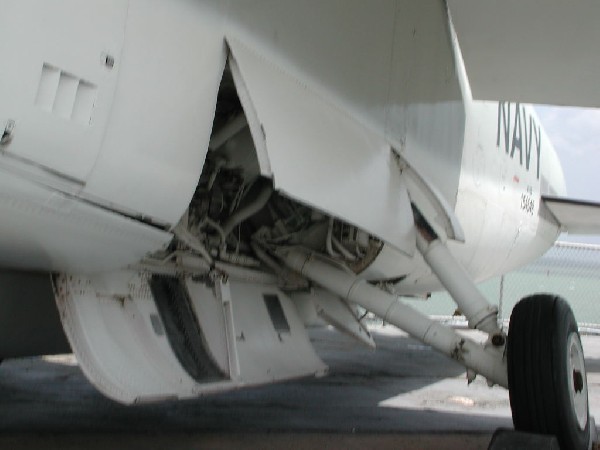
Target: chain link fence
<point x="569" y="270"/>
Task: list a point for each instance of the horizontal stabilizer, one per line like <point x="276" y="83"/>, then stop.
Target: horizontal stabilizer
<point x="575" y="216"/>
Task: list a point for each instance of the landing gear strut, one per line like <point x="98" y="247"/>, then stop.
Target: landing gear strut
<point x="546" y="372"/>
<point x="486" y="360"/>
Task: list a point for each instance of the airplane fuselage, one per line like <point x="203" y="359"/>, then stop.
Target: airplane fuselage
<point x="107" y="129"/>
<point x="192" y="182"/>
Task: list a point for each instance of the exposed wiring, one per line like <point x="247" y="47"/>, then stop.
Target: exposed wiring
<point x="328" y="240"/>
<point x="250" y="209"/>
<point x="267" y="260"/>
<point x="343" y="250"/>
<point x="192" y="241"/>
<point x="215" y="226"/>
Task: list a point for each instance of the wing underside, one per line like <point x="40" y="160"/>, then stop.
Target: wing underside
<point x="539" y="51"/>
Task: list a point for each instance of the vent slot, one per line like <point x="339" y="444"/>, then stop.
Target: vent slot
<point x="48" y="88"/>
<point x="276" y="313"/>
<point x="183" y="330"/>
<point x="66" y="95"/>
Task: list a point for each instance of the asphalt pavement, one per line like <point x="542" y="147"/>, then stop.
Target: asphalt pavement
<point x="403" y="395"/>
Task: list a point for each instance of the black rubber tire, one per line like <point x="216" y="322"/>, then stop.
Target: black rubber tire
<point x="539" y="333"/>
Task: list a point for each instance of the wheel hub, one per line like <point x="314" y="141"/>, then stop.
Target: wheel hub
<point x="577" y="380"/>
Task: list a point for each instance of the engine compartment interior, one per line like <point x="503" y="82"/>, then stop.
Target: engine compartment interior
<point x="237" y="217"/>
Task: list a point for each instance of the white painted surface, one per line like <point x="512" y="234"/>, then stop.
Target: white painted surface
<point x="382" y="77"/>
<point x="158" y="133"/>
<point x="331" y="103"/>
<point x="487" y="361"/>
<point x="114" y="103"/>
<point x="537" y="51"/>
<point x="49" y="48"/>
<point x="321" y="156"/>
<point x="43" y="229"/>
<point x="107" y="321"/>
<point x="576" y="217"/>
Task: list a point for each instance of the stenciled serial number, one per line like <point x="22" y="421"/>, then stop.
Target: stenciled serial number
<point x="527" y="204"/>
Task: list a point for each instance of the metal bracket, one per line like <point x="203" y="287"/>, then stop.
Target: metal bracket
<point x="7" y="135"/>
<point x="488" y="362"/>
<point x="223" y="291"/>
<point x="460" y="286"/>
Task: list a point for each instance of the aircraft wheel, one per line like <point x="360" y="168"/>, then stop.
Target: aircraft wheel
<point x="546" y="371"/>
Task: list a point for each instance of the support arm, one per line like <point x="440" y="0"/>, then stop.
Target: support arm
<point x="485" y="360"/>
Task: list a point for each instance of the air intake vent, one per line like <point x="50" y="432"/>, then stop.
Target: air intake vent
<point x="276" y="313"/>
<point x="66" y="95"/>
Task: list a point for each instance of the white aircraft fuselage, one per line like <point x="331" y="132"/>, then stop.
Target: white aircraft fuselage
<point x="109" y="111"/>
<point x="190" y="183"/>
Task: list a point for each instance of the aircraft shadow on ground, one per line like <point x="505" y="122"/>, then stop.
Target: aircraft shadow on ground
<point x="592" y="365"/>
<point x="41" y="396"/>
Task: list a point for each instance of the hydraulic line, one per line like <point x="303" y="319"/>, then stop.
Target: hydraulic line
<point x="480" y="314"/>
<point x="485" y="360"/>
<point x="246" y="211"/>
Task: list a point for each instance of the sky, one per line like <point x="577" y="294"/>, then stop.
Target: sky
<point x="575" y="134"/>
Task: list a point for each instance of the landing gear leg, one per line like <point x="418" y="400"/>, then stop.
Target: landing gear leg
<point x="546" y="372"/>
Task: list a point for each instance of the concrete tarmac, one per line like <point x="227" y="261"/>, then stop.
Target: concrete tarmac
<point x="404" y="395"/>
